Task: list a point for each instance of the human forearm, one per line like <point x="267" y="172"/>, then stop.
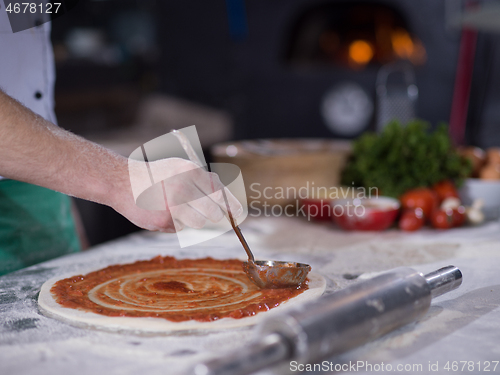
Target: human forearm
<point x="36" y="151"/>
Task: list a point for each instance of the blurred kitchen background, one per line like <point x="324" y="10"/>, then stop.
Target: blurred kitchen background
<point x="131" y="70"/>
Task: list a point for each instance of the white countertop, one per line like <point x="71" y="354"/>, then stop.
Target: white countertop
<point x="463" y="325"/>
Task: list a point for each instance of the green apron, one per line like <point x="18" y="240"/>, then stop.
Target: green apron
<point x="36" y="225"/>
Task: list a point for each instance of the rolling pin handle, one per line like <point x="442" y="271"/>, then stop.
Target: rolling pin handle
<point x="444" y="280"/>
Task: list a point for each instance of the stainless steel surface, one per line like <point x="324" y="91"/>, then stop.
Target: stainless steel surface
<point x="444" y="280"/>
<point x="264" y="273"/>
<point x="342" y="320"/>
<point x="396" y="101"/>
<point x="276" y="274"/>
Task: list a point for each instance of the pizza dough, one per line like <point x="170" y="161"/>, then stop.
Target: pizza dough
<point x="152" y="325"/>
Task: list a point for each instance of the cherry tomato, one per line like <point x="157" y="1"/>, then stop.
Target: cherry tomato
<point x="458" y="216"/>
<point x="441" y="219"/>
<point x="423" y="198"/>
<point x="412" y="220"/>
<point x="445" y="189"/>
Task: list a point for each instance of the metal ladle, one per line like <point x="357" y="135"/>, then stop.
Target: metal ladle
<point x="264" y="273"/>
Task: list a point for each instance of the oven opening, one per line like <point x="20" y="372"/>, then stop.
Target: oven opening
<point x="353" y="35"/>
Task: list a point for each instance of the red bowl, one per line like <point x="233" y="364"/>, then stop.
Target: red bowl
<point x="317" y="209"/>
<point x="365" y="214"/>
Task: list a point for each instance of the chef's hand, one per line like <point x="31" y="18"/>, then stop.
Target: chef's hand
<point x="193" y="196"/>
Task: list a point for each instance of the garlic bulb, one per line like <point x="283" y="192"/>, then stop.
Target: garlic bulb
<point x="474" y="213"/>
<point x="450" y="203"/>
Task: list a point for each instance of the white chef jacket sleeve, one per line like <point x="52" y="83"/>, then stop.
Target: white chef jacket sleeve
<point x="27" y="71"/>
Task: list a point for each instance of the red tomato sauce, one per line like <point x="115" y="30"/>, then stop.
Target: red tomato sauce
<point x="177" y="290"/>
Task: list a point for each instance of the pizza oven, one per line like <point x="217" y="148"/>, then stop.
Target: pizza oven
<point x="352" y="35"/>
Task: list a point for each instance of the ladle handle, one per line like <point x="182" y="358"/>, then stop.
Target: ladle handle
<point x="237" y="230"/>
<point x="193" y="156"/>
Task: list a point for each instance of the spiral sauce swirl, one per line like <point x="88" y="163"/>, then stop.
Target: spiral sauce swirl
<point x="176" y="290"/>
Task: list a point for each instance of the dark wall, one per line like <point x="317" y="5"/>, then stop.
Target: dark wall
<point x="268" y="97"/>
<point x="483" y="122"/>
